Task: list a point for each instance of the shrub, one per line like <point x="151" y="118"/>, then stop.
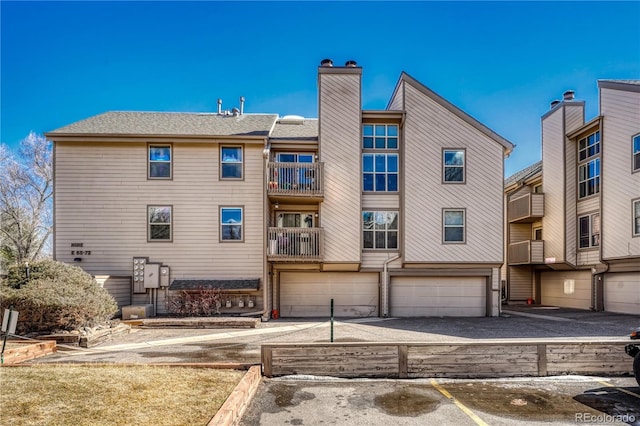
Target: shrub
<point x="56" y="297"/>
<point x="200" y="303"/>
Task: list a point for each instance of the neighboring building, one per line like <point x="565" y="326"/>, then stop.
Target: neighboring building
<point x="573" y="220"/>
<point x="397" y="212"/>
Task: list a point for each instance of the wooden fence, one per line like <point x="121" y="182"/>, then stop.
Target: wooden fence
<point x="450" y="360"/>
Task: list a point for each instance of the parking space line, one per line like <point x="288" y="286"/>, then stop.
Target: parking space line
<point x="620" y="389"/>
<point x="460" y="405"/>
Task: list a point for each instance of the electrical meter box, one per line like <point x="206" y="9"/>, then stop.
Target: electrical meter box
<point x="139" y="266"/>
<point x="164" y="276"/>
<point x="152" y="275"/>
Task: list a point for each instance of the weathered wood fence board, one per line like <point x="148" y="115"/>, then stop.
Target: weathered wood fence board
<point x="456" y="360"/>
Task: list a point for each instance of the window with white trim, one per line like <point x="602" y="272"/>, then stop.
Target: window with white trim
<point x="231" y="223"/>
<point x="380" y="230"/>
<point x="453" y="221"/>
<point x="159" y="222"/>
<point x="589" y="230"/>
<point x="453" y="165"/>
<point x="636" y="218"/>
<point x="589" y="146"/>
<point x="231" y="162"/>
<point x="380" y="172"/>
<point x="636" y="153"/>
<point x="159" y="162"/>
<point x="380" y="168"/>
<point x="380" y="136"/>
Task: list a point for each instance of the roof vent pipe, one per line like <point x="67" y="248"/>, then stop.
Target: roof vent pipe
<point x="351" y="64"/>
<point x="241" y="105"/>
<point x="554" y="103"/>
<point x="568" y="95"/>
<point x="326" y="63"/>
<point x="219" y="106"/>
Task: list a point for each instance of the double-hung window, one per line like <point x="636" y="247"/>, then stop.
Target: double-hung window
<point x="589" y="230"/>
<point x="231" y="223"/>
<point x="380" y="157"/>
<point x="231" y="162"/>
<point x="636" y="153"/>
<point x="636" y="218"/>
<point x="380" y="230"/>
<point x="589" y="165"/>
<point x="453" y="221"/>
<point x="159" y="162"/>
<point x="453" y="165"/>
<point x="159" y="220"/>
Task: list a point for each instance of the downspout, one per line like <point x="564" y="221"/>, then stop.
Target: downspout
<point x="264" y="313"/>
<point x="384" y="293"/>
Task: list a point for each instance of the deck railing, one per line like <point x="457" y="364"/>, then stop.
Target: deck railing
<point x="526" y="208"/>
<point x="295" y="244"/>
<point x="528" y="252"/>
<point x="295" y="179"/>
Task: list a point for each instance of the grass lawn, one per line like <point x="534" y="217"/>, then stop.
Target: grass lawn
<point x="112" y="395"/>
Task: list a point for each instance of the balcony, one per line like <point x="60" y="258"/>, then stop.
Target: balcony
<point x="526" y="208"/>
<point x="528" y="252"/>
<point x="295" y="244"/>
<point x="298" y="183"/>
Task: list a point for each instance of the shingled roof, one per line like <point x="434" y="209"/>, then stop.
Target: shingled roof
<point x="523" y="174"/>
<point x="228" y="284"/>
<point x="170" y="123"/>
<point x="306" y="129"/>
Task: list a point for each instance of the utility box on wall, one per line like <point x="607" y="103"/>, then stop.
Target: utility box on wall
<point x="152" y="275"/>
<point x="139" y="266"/>
<point x="164" y="276"/>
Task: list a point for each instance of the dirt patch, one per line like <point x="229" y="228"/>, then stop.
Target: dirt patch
<point x="519" y="402"/>
<point x="405" y="402"/>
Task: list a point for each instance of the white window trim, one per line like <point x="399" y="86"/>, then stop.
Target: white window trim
<point x="386" y="172"/>
<point x="585" y="164"/>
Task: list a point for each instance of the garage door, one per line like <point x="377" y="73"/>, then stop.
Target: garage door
<point x="309" y="294"/>
<point x="567" y="289"/>
<point x="438" y="296"/>
<point x="622" y="293"/>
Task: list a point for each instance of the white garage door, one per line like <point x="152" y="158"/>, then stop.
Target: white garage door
<point x="622" y="293"/>
<point x="309" y="294"/>
<point x="567" y="289"/>
<point x="438" y="296"/>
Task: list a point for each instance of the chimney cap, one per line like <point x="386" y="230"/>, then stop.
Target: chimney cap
<point x="351" y="64"/>
<point x="568" y="95"/>
<point x="326" y="63"/>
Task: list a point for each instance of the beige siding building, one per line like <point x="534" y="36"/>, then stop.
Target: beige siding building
<point x="395" y="212"/>
<point x="581" y="248"/>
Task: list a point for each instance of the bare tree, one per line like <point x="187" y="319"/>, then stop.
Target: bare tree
<point x="26" y="190"/>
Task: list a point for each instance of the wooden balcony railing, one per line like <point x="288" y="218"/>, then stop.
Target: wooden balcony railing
<point x="295" y="244"/>
<point x="295" y="180"/>
<point x="528" y="252"/>
<point x="526" y="208"/>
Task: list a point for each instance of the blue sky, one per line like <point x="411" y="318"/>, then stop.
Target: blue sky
<point x="500" y="62"/>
